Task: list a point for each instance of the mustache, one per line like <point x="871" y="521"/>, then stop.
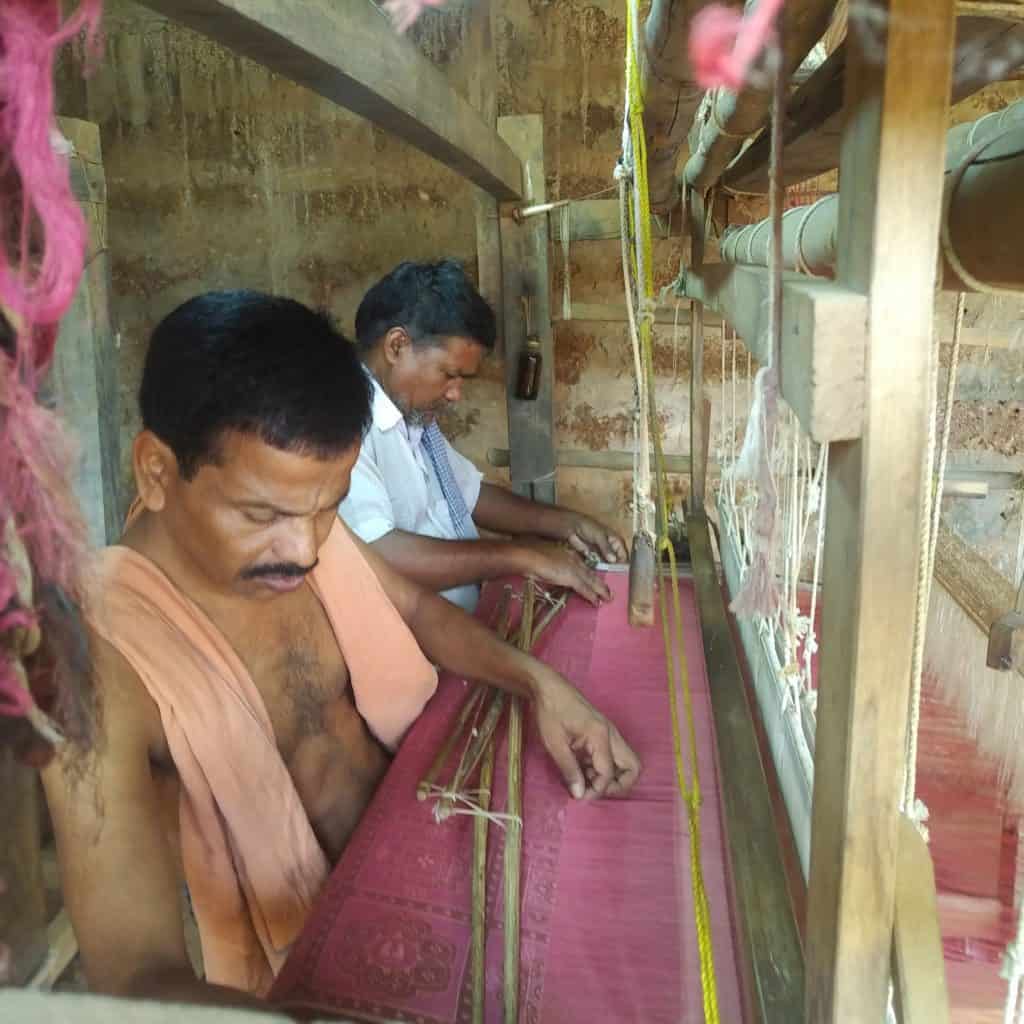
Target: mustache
<point x="278" y="569"/>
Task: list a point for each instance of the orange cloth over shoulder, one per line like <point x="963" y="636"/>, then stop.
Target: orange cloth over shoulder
<point x="252" y="863"/>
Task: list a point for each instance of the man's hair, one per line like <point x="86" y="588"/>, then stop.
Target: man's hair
<point x="432" y="301"/>
<point x="257" y="364"/>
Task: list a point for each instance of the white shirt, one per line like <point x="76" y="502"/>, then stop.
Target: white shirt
<point x="394" y="486"/>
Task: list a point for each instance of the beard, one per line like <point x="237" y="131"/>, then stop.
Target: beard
<point x="424" y="417"/>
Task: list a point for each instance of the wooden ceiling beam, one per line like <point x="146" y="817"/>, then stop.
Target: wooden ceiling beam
<point x="815" y="121"/>
<point x="348" y="53"/>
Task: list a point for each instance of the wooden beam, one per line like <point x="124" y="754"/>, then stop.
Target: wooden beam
<point x="671" y="96"/>
<point x="610" y="461"/>
<point x="699" y="428"/>
<point x="83" y="376"/>
<point x="1008" y="10"/>
<point x="769" y="940"/>
<point x="22" y="899"/>
<point x="815" y="123"/>
<point x="595" y="220"/>
<point x="724" y="119"/>
<point x="524" y="269"/>
<point x="823" y="325"/>
<point x="897" y="111"/>
<point x="348" y="53"/>
<point x="483" y="95"/>
<point x="616" y="313"/>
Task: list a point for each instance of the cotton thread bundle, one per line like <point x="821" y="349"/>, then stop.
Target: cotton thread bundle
<point x="724" y="43"/>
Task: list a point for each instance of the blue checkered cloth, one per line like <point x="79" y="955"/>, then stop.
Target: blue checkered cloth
<point x="436" y="448"/>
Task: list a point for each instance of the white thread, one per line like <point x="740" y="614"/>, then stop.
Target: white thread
<point x="472" y="809"/>
<point x="566" y="228"/>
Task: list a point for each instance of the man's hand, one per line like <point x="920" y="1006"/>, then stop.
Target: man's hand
<point x="587" y="535"/>
<point x="561" y="567"/>
<point x="589" y="751"/>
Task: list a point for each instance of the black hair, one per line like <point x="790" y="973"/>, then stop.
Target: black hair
<point x="432" y="301"/>
<point x="257" y="364"/>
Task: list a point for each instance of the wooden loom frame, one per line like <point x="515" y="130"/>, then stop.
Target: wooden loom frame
<point x="865" y="388"/>
<point x="346" y="52"/>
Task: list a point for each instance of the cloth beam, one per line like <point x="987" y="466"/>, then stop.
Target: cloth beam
<point x="607" y="915"/>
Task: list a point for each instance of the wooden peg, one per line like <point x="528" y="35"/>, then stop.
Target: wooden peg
<point x="1005" y="635"/>
<point x="642" y="572"/>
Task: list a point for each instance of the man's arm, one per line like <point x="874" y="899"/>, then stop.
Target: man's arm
<point x="442" y="564"/>
<point x="589" y="751"/>
<point x="119" y="880"/>
<point x="503" y="511"/>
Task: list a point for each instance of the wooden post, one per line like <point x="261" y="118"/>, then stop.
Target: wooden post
<point x="524" y="271"/>
<point x="84" y="372"/>
<point x="890" y="204"/>
<point x="22" y="903"/>
<point x="698" y="428"/>
<point x="483" y="97"/>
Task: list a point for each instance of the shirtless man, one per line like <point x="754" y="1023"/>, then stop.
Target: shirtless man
<point x="253" y="409"/>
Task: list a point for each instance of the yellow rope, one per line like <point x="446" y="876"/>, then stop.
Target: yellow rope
<point x="675" y="653"/>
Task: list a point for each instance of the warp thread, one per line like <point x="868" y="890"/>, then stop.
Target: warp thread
<point x="40" y="268"/>
<point x="759" y="595"/>
<point x="724" y="43"/>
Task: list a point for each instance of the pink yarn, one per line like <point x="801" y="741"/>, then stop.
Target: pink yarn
<point x="403" y="13"/>
<point x="42" y="254"/>
<point x="724" y="43"/>
<point x="41" y="286"/>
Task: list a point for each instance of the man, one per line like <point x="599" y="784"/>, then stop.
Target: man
<point x="254" y="663"/>
<point x="422" y="330"/>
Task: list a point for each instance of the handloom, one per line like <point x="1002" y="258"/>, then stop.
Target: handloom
<point x="606" y="904"/>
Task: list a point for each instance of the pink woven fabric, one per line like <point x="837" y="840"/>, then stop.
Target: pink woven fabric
<point x="607" y="919"/>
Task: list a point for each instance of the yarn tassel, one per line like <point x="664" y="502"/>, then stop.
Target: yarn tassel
<point x="759" y="597"/>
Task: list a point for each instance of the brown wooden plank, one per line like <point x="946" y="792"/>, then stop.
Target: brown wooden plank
<point x="483" y="95"/>
<point x="613" y="461"/>
<point x="890" y="205"/>
<point x="769" y="941"/>
<point x="348" y="53"/>
<point x="695" y="210"/>
<point x="814" y="131"/>
<point x="524" y="270"/>
<point x="22" y="899"/>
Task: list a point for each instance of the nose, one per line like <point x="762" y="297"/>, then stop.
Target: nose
<point x="453" y="393"/>
<point x="298" y="542"/>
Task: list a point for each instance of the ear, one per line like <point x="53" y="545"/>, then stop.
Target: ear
<point x="396" y="342"/>
<point x="155" y="468"/>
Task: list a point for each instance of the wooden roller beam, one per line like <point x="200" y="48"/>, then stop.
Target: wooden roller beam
<point x="349" y="53"/>
<point x="822" y="371"/>
<point x="985" y="47"/>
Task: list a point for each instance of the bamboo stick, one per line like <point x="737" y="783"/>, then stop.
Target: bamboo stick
<point x="514" y="831"/>
<point x="473" y="702"/>
<point x="546" y="620"/>
<point x="479" y="936"/>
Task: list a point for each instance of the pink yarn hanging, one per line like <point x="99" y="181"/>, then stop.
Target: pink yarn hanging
<point x="724" y="43"/>
<point x="404" y="13"/>
<point x="42" y="253"/>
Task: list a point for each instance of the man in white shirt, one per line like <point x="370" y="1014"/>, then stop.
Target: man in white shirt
<point x="422" y="330"/>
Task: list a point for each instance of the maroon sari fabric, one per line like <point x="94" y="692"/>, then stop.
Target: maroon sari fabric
<point x="607" y="929"/>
